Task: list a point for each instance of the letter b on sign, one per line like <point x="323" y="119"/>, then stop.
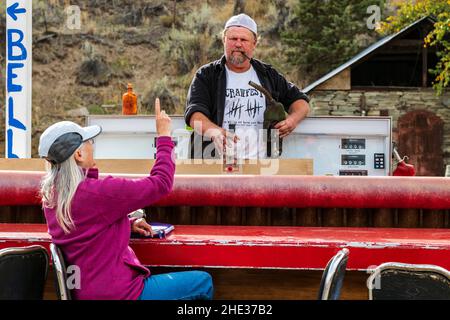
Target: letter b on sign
<point x="18" y="44"/>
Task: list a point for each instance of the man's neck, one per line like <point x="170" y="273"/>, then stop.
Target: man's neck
<point x="238" y="69"/>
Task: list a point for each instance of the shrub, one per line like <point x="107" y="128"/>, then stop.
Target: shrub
<point x="195" y="43"/>
<point x="162" y="91"/>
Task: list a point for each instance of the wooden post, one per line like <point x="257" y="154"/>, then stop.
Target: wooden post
<point x="332" y="217"/>
<point x="181" y="215"/>
<point x="256" y="216"/>
<point x="231" y="216"/>
<point x="358" y="217"/>
<point x="7" y="215"/>
<point x="433" y="219"/>
<point x="30" y="214"/>
<point x="206" y="215"/>
<point x="447" y="219"/>
<point x="158" y="214"/>
<point x="383" y="218"/>
<point x="408" y="218"/>
<point x="281" y="217"/>
<point x="307" y="217"/>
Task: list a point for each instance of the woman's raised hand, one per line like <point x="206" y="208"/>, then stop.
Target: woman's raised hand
<point x="163" y="121"/>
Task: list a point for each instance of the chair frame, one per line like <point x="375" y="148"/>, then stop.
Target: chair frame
<point x="60" y="272"/>
<point x="403" y="267"/>
<point x="332" y="268"/>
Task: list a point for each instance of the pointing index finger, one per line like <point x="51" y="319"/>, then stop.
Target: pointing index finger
<point x="157" y="107"/>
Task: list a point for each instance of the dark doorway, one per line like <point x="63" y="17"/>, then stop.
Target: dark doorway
<point x="420" y="137"/>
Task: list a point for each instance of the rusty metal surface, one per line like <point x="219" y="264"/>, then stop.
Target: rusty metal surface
<point x="21" y="188"/>
<point x="420" y="137"/>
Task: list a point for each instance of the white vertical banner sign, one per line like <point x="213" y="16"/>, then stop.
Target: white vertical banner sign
<point x="18" y="78"/>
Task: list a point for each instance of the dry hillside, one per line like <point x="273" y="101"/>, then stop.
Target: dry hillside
<point x="120" y="41"/>
<point x="156" y="45"/>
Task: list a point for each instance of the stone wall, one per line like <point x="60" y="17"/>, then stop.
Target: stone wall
<point x="392" y="103"/>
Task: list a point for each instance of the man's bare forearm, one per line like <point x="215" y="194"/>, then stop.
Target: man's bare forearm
<point x="298" y="110"/>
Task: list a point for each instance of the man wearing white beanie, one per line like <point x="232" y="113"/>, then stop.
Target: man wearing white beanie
<point x="221" y="105"/>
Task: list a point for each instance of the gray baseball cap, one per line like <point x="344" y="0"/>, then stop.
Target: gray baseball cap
<point x="242" y="20"/>
<point x="59" y="141"/>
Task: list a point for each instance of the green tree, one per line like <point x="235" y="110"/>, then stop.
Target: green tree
<point x="325" y="33"/>
<point x="439" y="36"/>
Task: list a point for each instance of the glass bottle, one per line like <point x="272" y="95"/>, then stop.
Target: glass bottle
<point x="129" y="101"/>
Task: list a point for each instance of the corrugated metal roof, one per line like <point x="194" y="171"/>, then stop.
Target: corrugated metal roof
<point x="364" y="53"/>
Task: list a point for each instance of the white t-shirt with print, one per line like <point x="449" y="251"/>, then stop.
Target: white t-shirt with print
<point x="244" y="107"/>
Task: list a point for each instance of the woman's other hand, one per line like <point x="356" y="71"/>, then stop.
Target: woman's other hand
<point x="142" y="227"/>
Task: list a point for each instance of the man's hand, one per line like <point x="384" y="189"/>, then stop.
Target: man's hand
<point x="286" y="126"/>
<point x="142" y="227"/>
<point x="298" y="110"/>
<point x="222" y="139"/>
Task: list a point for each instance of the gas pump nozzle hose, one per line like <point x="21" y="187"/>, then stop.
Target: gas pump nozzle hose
<point x="273" y="114"/>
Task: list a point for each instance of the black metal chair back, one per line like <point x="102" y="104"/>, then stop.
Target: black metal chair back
<point x="401" y="281"/>
<point x="23" y="272"/>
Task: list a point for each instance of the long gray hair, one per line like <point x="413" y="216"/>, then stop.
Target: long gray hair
<point x="58" y="188"/>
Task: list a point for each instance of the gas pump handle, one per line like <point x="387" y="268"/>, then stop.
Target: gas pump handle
<point x="397" y="156"/>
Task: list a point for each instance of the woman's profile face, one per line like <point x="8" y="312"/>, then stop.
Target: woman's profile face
<point x="85" y="155"/>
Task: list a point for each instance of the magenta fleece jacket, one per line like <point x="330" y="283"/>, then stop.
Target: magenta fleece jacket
<point x="98" y="245"/>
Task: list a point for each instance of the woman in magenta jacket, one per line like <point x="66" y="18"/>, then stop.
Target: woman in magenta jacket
<point x="87" y="217"/>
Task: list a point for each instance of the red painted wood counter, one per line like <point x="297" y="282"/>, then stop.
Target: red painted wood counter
<point x="270" y="247"/>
